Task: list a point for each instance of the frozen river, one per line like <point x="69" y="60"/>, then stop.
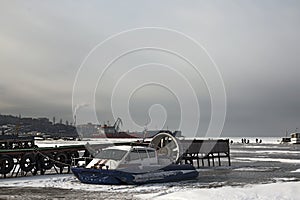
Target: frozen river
<point x="256" y="168"/>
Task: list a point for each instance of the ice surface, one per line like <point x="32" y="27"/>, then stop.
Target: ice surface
<point x="280" y="190"/>
<point x="253" y="165"/>
<point x="275" y="191"/>
<point x="268" y="152"/>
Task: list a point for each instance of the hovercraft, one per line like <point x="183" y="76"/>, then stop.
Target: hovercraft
<point x="134" y="164"/>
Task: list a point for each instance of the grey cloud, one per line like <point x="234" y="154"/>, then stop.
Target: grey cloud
<point x="254" y="43"/>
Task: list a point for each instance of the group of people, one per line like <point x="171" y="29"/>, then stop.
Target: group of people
<point x="247" y="141"/>
<point x="258" y="141"/>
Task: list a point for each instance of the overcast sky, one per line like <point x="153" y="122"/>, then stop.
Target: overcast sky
<point x="255" y="45"/>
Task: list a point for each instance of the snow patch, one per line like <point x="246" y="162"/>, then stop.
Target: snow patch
<point x="256" y="169"/>
<point x="285" y="179"/>
<point x="282" y="160"/>
<point x="296" y="171"/>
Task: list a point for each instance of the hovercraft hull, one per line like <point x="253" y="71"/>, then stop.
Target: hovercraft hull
<point x="118" y="177"/>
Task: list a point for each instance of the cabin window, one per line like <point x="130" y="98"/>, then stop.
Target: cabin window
<point x="133" y="155"/>
<point x="113" y="154"/>
<point x="151" y="153"/>
<point x="143" y="153"/>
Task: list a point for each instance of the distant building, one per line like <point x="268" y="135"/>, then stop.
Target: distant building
<point x="44" y="120"/>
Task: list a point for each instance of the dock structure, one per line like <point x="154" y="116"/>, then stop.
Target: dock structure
<point x="209" y="152"/>
<point x="20" y="156"/>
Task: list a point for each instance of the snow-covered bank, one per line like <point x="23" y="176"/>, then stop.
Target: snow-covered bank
<point x="274" y="191"/>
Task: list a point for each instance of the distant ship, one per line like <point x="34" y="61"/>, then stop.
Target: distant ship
<point x="113" y="131"/>
<point x="295" y="138"/>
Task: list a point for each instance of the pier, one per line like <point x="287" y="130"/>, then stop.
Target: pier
<point x="209" y="152"/>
